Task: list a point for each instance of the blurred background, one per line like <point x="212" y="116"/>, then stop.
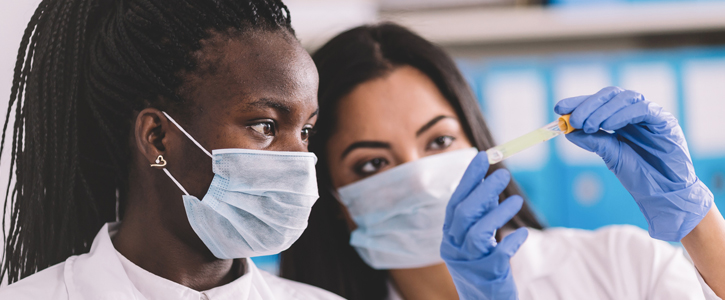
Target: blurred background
<point x="520" y="57"/>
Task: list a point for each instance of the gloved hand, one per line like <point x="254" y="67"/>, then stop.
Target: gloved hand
<point x="480" y="268"/>
<point x="648" y="154"/>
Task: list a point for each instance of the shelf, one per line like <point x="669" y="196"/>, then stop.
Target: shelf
<point x="533" y="24"/>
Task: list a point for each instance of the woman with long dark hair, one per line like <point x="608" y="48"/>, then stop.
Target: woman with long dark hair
<point x="395" y="135"/>
<point x="157" y="145"/>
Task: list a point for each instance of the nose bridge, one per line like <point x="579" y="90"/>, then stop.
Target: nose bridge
<point x="407" y="155"/>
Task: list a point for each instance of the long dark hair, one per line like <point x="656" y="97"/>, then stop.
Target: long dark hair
<point x="83" y="68"/>
<point x="323" y="256"/>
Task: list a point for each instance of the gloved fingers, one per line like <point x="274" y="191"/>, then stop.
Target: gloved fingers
<point x="499" y="261"/>
<point x="566" y="106"/>
<point x="473" y="176"/>
<point x="512" y="242"/>
<point x="643" y="113"/>
<point x="477" y="204"/>
<point x="585" y="109"/>
<point x="619" y="102"/>
<point x="480" y="238"/>
<point x="603" y="144"/>
<point x="450" y="252"/>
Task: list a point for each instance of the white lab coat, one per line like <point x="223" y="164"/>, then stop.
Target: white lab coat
<point x="104" y="274"/>
<point x="615" y="262"/>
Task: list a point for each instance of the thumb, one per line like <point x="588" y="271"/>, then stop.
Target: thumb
<point x="603" y="144"/>
<point x="512" y="242"/>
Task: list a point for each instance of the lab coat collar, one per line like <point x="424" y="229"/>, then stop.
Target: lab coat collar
<point x="100" y="274"/>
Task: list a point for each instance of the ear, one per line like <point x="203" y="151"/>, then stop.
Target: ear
<point x="150" y="133"/>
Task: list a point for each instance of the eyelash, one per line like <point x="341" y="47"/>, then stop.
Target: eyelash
<point x="273" y="130"/>
<point x="449" y="139"/>
<point x="359" y="168"/>
<point x="381" y="162"/>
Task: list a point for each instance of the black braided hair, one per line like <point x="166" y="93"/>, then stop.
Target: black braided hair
<point x="83" y="68"/>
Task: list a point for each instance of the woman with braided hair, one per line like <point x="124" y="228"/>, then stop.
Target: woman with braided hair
<point x="157" y="144"/>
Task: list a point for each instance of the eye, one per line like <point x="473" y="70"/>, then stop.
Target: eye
<point x="307" y="132"/>
<point x="371" y="166"/>
<point x="265" y="128"/>
<point x="441" y="142"/>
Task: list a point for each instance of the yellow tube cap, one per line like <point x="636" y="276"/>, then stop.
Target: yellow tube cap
<point x="564" y="124"/>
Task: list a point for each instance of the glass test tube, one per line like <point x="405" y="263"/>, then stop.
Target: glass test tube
<point x="550" y="131"/>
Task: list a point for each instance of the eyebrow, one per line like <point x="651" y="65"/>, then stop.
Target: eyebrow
<point x="365" y="144"/>
<point x="314" y="114"/>
<point x="431" y="123"/>
<point x="266" y="103"/>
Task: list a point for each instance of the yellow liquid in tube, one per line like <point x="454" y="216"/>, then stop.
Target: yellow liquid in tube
<point x="504" y="151"/>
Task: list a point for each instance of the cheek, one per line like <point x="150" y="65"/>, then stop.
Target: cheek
<point x="229" y="132"/>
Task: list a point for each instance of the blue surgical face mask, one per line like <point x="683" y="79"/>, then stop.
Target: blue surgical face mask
<point x="400" y="212"/>
<point x="258" y="202"/>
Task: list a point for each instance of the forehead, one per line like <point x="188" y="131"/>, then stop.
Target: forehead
<point x="397" y="104"/>
<point x="234" y="68"/>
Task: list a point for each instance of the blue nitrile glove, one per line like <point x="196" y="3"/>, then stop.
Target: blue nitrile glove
<point x="647" y="152"/>
<point x="480" y="268"/>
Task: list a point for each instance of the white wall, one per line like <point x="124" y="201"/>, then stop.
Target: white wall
<point x="317" y="21"/>
<point x="14" y="17"/>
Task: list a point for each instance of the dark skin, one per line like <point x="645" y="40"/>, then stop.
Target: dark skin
<point x="255" y="90"/>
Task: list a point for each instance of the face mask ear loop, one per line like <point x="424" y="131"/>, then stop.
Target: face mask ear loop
<point x="187" y="135"/>
<point x="176" y="182"/>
